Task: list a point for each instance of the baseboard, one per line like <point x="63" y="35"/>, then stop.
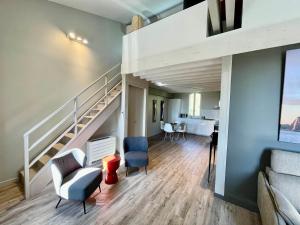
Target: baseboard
<point x="7" y="182"/>
<point x="244" y="203"/>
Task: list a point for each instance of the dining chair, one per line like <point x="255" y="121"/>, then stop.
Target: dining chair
<point x="168" y="128"/>
<point x="181" y="130"/>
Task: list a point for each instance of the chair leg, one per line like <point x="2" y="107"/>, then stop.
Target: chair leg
<point x="99" y="188"/>
<point x="146" y="169"/>
<point x="84" y="207"/>
<point x="58" y="202"/>
<point x="126" y="171"/>
<point x="166" y="135"/>
<point x="210" y="149"/>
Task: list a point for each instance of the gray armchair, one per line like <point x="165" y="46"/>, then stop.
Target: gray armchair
<point x="71" y="180"/>
<point x="136" y="152"/>
<point x="278" y="196"/>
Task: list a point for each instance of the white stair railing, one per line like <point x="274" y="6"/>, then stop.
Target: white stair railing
<point x="74" y="114"/>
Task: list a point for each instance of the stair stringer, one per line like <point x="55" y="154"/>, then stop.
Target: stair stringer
<point x="44" y="176"/>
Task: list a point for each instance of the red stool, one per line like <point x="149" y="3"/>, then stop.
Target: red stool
<point x="111" y="164"/>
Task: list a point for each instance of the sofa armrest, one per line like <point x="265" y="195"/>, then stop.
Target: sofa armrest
<point x="267" y="209"/>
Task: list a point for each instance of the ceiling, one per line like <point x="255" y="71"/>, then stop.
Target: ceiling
<point x="201" y="76"/>
<point x="121" y="10"/>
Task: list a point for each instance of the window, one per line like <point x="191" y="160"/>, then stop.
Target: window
<point x="194" y="104"/>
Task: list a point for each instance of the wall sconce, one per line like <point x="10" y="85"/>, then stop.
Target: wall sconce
<point x="73" y="37"/>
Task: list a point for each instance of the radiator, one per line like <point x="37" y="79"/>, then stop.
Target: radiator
<point x="99" y="148"/>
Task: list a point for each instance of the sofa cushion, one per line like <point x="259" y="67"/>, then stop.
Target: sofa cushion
<point x="80" y="184"/>
<point x="66" y="164"/>
<point x="285" y="162"/>
<point x="136" y="159"/>
<point x="268" y="213"/>
<point x="285" y="208"/>
<point x="288" y="185"/>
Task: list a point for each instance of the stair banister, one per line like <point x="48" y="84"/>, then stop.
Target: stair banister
<point x="74" y="113"/>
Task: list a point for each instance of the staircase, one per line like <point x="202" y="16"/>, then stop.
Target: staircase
<point x="71" y="125"/>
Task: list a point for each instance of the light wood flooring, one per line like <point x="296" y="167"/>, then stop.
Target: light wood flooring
<point x="175" y="191"/>
<point x="10" y="195"/>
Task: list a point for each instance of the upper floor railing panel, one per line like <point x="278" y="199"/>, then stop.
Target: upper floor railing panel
<point x="177" y="31"/>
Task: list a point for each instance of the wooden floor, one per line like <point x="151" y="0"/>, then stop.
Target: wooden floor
<point x="10" y="195"/>
<point x="175" y="191"/>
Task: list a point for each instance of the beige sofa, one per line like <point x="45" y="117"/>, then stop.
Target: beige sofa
<point x="279" y="190"/>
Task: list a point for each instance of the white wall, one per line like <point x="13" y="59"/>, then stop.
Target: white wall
<point x="180" y="30"/>
<point x="196" y="125"/>
<point x="264" y="12"/>
<point x="40" y="68"/>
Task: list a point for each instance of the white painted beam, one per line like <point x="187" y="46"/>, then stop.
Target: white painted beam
<point x="230" y="14"/>
<point x="223" y="126"/>
<point x="190" y="65"/>
<point x="187" y="80"/>
<point x="180" y="71"/>
<point x="210" y="74"/>
<point x="214" y="12"/>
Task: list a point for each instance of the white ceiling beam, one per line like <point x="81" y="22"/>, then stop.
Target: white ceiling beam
<point x="197" y="64"/>
<point x="197" y="74"/>
<point x="208" y="83"/>
<point x="214" y="12"/>
<point x="184" y="89"/>
<point x="230" y="14"/>
<point x="187" y="79"/>
<point x="210" y="69"/>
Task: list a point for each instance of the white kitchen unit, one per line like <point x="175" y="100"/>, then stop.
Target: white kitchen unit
<point x="200" y="126"/>
<point x="174" y="106"/>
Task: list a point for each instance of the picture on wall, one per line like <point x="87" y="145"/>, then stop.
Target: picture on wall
<point x="162" y="110"/>
<point x="290" y="107"/>
<point x="154" y="110"/>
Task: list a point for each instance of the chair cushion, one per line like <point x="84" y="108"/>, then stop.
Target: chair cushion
<point x="80" y="184"/>
<point x="285" y="162"/>
<point x="288" y="185"/>
<point x="66" y="164"/>
<point x="139" y="144"/>
<point x="285" y="208"/>
<point x="136" y="159"/>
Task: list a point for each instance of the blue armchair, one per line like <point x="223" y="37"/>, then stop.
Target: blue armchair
<point x="136" y="152"/>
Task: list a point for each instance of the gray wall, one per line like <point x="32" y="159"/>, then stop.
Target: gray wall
<point x="111" y="127"/>
<point x="253" y="122"/>
<point x="153" y="128"/>
<point x="40" y="68"/>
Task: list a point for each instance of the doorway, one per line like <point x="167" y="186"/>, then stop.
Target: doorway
<point x="135" y="111"/>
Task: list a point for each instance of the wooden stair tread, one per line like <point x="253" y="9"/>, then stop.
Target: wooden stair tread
<point x="89" y="117"/>
<point x="70" y="135"/>
<point x="80" y="125"/>
<point x="45" y="159"/>
<point x="58" y="146"/>
<point x="32" y="172"/>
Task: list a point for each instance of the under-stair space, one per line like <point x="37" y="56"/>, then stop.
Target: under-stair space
<point x="85" y="117"/>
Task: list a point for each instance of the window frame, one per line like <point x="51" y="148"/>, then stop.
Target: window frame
<point x="194" y="105"/>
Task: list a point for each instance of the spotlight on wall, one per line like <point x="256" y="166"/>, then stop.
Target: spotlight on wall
<point x="73" y="37"/>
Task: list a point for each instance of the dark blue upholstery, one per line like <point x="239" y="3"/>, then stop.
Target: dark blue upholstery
<point x="85" y="185"/>
<point x="138" y="144"/>
<point x="136" y="159"/>
<point x="136" y="151"/>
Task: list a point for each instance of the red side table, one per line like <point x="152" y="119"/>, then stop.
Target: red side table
<point x="111" y="164"/>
